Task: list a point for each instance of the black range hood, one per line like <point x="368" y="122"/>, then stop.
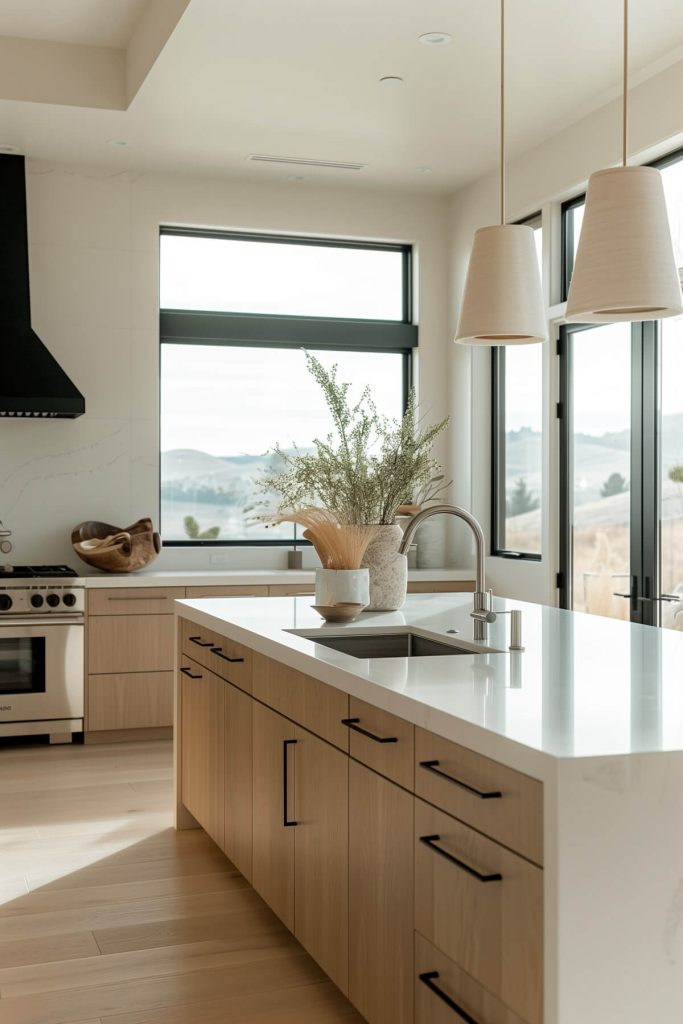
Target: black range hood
<point x="32" y="383"/>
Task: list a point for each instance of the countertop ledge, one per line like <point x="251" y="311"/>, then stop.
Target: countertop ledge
<point x="585" y="687"/>
<point x="239" y="577"/>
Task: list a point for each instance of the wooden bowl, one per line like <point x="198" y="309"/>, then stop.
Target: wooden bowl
<point x="113" y="549"/>
<point x="345" y="611"/>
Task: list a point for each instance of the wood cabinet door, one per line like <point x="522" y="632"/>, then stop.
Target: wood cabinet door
<point x="321" y="917"/>
<point x="238" y="778"/>
<point x="203" y="747"/>
<point x="274" y="762"/>
<point x="130" y="643"/>
<point x="380" y="898"/>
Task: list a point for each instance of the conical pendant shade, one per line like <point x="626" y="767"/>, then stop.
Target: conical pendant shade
<point x="625" y="267"/>
<point x="503" y="302"/>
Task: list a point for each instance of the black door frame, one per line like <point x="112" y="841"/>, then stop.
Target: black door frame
<point x="644" y="484"/>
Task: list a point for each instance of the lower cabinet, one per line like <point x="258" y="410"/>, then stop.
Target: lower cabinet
<point x="203" y="747"/>
<point x="300" y="836"/>
<point x="380" y="897"/>
<point x="417" y="917"/>
<point x="238" y="779"/>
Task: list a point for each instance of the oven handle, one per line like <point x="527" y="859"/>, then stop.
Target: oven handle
<point x="42" y="620"/>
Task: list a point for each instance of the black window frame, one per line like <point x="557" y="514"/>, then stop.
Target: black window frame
<point x="498" y="491"/>
<point x="285" y="331"/>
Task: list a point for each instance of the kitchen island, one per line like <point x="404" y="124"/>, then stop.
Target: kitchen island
<point x="484" y="835"/>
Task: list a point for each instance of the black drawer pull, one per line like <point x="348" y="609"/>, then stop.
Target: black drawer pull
<point x="433" y="766"/>
<point x="219" y="652"/>
<point x="201" y="643"/>
<point x="352" y="723"/>
<point x="428" y="980"/>
<point x="431" y="842"/>
<point x="285" y="794"/>
<point x="188" y="672"/>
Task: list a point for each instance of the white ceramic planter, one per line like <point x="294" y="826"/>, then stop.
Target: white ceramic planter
<point x="332" y="586"/>
<point x="388" y="570"/>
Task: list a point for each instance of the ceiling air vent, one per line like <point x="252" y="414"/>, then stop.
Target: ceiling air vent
<point x="296" y="161"/>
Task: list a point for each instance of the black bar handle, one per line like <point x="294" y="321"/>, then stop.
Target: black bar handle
<point x="201" y="643"/>
<point x="219" y="652"/>
<point x="188" y="672"/>
<point x="285" y="794"/>
<point x="433" y="766"/>
<point x="431" y="842"/>
<point x="428" y="979"/>
<point x="352" y="723"/>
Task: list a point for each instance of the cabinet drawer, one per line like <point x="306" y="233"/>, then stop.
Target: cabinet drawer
<point x="292" y="590"/>
<point x="381" y="741"/>
<point x="130" y="643"/>
<point x="316" y="706"/>
<point x="464" y="783"/>
<point x="227" y="591"/>
<point x="481" y="905"/>
<point x="134" y="600"/>
<point x="227" y="659"/>
<point x="138" y="700"/>
<point x="444" y="992"/>
<point x="440" y="586"/>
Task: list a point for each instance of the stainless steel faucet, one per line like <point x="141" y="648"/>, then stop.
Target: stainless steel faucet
<point x="482" y="597"/>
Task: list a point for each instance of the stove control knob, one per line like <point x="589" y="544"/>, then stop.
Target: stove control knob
<point x="37" y="600"/>
<point x="52" y="600"/>
<point x="69" y="600"/>
<point x="5" y="602"/>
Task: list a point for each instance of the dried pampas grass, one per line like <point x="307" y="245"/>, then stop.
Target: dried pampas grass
<point x="338" y="546"/>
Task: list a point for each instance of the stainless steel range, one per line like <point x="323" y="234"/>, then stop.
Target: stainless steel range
<point x="42" y="616"/>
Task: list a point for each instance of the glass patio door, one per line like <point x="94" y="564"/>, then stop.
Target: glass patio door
<point x="597" y="459"/>
<point x="622" y="471"/>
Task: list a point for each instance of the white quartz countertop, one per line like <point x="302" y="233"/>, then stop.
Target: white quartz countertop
<point x="239" y="577"/>
<point x="584" y="687"/>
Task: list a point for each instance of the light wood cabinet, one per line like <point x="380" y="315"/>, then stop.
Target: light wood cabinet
<point x="238" y="779"/>
<point x="274" y="753"/>
<point x="130" y="643"/>
<point x="134" y="600"/>
<point x="321" y="886"/>
<point x="203" y="747"/>
<point x="381" y="741"/>
<point x="481" y="905"/>
<point x="445" y="994"/>
<point x="380" y="898"/>
<point x="239" y="590"/>
<point x="496" y="800"/>
<point x="291" y="590"/>
<point x="133" y="700"/>
<point x="305" y="700"/>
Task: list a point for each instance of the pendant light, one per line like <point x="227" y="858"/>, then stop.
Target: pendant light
<point x="625" y="267"/>
<point x="503" y="301"/>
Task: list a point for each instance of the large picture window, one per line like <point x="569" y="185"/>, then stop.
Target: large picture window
<point x="518" y="443"/>
<point x="237" y="312"/>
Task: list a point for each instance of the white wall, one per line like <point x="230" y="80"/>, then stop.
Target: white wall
<point x="94" y="288"/>
<point x="538" y="180"/>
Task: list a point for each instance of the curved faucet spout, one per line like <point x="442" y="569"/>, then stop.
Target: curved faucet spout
<point x="481" y="598"/>
<point x="460" y="513"/>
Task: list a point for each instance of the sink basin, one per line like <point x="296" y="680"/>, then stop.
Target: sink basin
<point x="387" y="645"/>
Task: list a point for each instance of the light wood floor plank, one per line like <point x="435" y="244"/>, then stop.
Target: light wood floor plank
<point x="47" y="949"/>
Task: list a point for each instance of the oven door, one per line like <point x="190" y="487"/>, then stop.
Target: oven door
<point x="41" y="671"/>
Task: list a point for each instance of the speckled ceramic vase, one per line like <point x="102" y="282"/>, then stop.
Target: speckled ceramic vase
<point x="388" y="570"/>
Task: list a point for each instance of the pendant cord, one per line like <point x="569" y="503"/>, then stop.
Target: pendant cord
<point x="624" y="126"/>
<point x="502" y="111"/>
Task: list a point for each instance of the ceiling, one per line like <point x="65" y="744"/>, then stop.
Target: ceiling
<point x="85" y="22"/>
<point x="300" y="78"/>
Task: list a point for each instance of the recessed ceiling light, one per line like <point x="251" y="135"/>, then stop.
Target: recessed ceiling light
<point x="117" y="142"/>
<point x="391" y="81"/>
<point x="435" y="38"/>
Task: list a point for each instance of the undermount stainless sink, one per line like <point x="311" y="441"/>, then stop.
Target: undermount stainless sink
<point x="387" y="645"/>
